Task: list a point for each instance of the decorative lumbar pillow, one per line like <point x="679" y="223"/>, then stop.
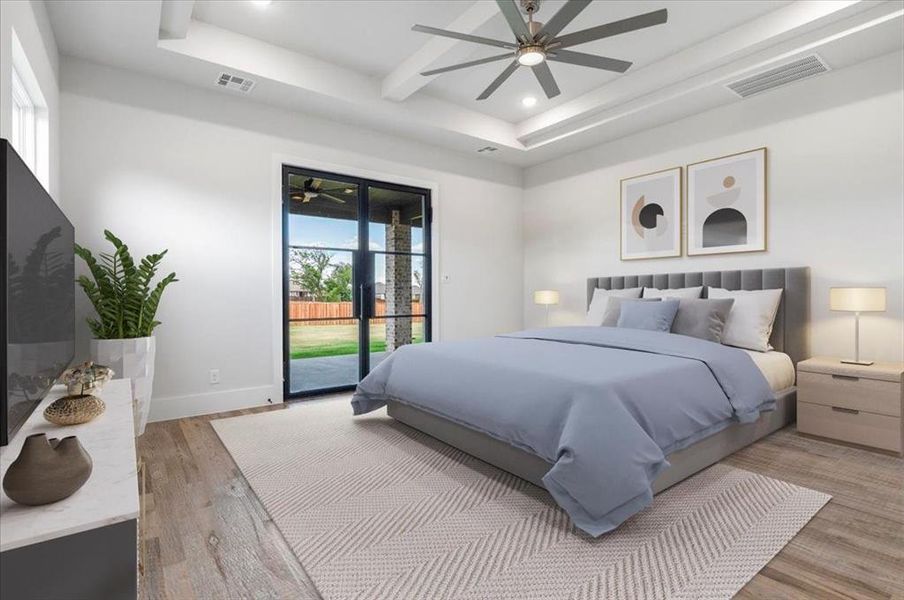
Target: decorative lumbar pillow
<point x="655" y="316"/>
<point x="704" y="319"/>
<point x="688" y="292"/>
<point x="749" y="322"/>
<point x="601" y="298"/>
<point x="613" y="309"/>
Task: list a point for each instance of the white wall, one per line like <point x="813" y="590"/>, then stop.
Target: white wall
<point x="164" y="165"/>
<point x="195" y="171"/>
<point x="835" y="199"/>
<point x="32" y="27"/>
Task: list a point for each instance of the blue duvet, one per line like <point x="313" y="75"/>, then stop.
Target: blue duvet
<point x="603" y="405"/>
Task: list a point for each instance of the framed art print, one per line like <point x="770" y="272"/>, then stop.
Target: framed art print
<point x="651" y="215"/>
<point x="726" y="204"/>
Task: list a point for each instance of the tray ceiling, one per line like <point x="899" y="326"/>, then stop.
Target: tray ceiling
<point x="359" y="61"/>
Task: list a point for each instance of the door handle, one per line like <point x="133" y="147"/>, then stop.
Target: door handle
<point x="362" y="300"/>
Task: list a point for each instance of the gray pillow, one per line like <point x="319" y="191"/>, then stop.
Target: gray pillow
<point x="704" y="319"/>
<point x="613" y="309"/>
<point x="655" y="316"/>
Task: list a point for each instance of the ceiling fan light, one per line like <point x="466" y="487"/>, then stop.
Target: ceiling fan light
<point x="531" y="56"/>
<point x="528" y="101"/>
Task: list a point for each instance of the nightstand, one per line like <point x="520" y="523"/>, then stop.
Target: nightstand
<point x="851" y="403"/>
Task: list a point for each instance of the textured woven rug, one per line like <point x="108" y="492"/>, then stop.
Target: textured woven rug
<point x="374" y="509"/>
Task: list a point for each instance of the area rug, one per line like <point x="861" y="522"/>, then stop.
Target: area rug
<point x="376" y="510"/>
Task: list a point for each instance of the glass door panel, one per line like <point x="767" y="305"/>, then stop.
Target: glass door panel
<point x="323" y="324"/>
<point x="396" y="224"/>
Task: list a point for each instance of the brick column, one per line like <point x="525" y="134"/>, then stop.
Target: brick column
<point x="398" y="283"/>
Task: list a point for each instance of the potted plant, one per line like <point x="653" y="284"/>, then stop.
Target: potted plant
<point x="126" y="305"/>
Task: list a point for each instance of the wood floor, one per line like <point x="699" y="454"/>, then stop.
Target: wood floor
<point x="208" y="536"/>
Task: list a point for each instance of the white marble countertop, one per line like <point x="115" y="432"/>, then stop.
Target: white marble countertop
<point x="109" y="496"/>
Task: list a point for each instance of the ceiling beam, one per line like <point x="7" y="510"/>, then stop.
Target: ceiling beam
<point x="406" y="79"/>
<point x="175" y="15"/>
<point x="344" y="93"/>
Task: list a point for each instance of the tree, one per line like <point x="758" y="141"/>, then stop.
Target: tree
<point x="307" y="269"/>
<point x="338" y="286"/>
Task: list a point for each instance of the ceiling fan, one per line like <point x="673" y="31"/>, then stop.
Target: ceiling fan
<point x="313" y="190"/>
<point x="535" y="42"/>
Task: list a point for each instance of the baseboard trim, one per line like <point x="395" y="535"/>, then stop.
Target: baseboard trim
<point x="177" y="407"/>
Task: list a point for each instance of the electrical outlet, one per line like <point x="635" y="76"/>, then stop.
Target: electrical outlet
<point x="214" y="376"/>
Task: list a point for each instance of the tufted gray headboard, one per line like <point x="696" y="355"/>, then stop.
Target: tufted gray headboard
<point x="790" y="334"/>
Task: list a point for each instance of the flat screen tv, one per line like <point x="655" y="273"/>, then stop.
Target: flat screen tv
<point x="37" y="292"/>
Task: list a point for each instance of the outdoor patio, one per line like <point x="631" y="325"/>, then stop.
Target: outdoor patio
<point x="327" y="371"/>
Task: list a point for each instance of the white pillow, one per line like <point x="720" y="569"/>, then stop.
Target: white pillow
<point x="688" y="292"/>
<point x="749" y="322"/>
<point x="601" y="298"/>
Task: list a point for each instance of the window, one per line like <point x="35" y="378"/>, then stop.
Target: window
<point x="24" y="130"/>
<point x="30" y="122"/>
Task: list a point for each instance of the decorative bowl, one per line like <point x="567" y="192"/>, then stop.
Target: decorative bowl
<point x="74" y="409"/>
<point x="86" y="378"/>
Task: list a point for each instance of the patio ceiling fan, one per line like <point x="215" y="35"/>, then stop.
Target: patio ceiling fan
<point x="312" y="190"/>
<point x="536" y="42"/>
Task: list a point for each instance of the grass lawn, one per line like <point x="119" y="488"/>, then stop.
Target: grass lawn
<point x="311" y="341"/>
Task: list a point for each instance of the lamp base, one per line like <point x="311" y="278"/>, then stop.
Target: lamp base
<point x="862" y="363"/>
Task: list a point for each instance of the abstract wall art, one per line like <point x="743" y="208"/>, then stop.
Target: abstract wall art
<point x="726" y="204"/>
<point x="651" y="215"/>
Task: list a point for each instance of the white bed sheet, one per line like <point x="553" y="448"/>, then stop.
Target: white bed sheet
<point x="777" y="367"/>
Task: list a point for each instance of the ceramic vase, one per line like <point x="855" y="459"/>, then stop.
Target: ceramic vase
<point x="47" y="470"/>
<point x="134" y="359"/>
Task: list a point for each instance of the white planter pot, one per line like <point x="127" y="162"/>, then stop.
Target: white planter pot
<point x="132" y="358"/>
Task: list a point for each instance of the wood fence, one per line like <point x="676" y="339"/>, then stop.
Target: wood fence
<point x="337" y="313"/>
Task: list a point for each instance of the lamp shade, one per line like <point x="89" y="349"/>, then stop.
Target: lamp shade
<point x="853" y="299"/>
<point x="546" y="297"/>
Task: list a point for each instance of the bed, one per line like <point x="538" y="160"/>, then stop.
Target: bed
<point x="788" y="339"/>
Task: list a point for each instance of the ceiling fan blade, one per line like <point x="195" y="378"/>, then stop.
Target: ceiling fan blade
<point x="499" y="80"/>
<point x="465" y="65"/>
<point x="561" y="19"/>
<point x="589" y="60"/>
<point x="329" y="197"/>
<point x="515" y="21"/>
<point x="547" y="81"/>
<point x="657" y="17"/>
<point x="464" y="37"/>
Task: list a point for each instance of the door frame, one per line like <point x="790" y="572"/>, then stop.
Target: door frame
<point x="361" y="266"/>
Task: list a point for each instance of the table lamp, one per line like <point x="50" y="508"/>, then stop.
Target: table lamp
<point x="857" y="300"/>
<point x="546" y="298"/>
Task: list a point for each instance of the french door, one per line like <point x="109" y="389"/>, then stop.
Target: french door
<point x="356" y="268"/>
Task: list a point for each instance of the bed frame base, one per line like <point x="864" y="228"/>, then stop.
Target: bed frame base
<point x="528" y="466"/>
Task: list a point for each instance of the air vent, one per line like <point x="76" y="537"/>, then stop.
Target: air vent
<point x="235" y="83"/>
<point x="773" y="78"/>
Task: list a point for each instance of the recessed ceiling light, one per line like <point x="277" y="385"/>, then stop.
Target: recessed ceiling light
<point x="528" y="101"/>
<point x="261" y="3"/>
